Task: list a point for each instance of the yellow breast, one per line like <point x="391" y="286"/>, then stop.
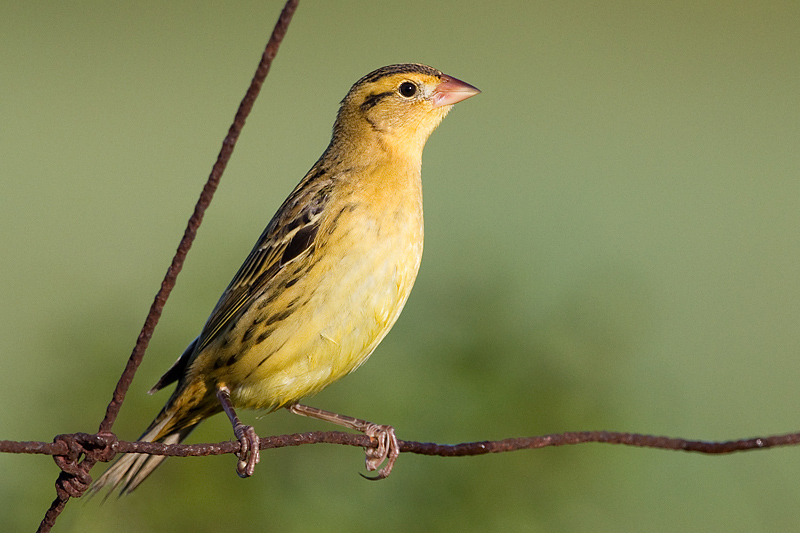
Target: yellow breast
<point x="364" y="266"/>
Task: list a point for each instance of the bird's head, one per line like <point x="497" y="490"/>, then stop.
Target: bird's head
<point x="398" y="106"/>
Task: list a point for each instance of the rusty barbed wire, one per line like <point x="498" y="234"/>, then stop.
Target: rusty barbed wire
<point x="64" y="445"/>
<point x="73" y="482"/>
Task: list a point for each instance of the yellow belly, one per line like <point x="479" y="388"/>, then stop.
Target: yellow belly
<point x="354" y="294"/>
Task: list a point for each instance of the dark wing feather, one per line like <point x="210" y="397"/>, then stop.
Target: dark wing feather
<point x="298" y="217"/>
<point x="291" y="232"/>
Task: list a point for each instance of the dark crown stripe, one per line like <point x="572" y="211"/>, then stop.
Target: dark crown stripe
<point x="402" y="68"/>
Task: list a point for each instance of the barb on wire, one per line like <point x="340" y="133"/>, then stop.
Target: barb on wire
<point x="73" y="479"/>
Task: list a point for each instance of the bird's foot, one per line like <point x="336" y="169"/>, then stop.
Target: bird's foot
<point x="388" y="450"/>
<point x="248" y="454"/>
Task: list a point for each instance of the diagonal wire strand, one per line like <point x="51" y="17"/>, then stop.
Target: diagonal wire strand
<point x="135" y="359"/>
<point x="203" y="202"/>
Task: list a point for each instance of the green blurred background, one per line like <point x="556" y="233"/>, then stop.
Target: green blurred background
<point x="612" y="237"/>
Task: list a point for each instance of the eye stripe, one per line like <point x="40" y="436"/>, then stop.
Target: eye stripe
<point x="373" y="99"/>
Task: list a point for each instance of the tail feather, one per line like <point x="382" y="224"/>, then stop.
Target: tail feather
<point x="131" y="469"/>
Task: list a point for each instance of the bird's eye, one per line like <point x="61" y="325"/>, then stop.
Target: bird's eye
<point x="408" y="89"/>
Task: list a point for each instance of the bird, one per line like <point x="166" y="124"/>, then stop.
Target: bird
<point x="324" y="283"/>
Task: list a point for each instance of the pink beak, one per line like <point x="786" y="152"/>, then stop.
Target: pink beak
<point x="451" y="91"/>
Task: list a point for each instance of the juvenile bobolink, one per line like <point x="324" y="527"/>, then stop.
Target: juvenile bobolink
<point x="325" y="282"/>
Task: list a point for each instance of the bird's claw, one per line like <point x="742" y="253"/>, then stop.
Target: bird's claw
<point x="388" y="450"/>
<point x="248" y="454"/>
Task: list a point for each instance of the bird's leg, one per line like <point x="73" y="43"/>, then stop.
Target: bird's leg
<point x="388" y="448"/>
<point x="250" y="443"/>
